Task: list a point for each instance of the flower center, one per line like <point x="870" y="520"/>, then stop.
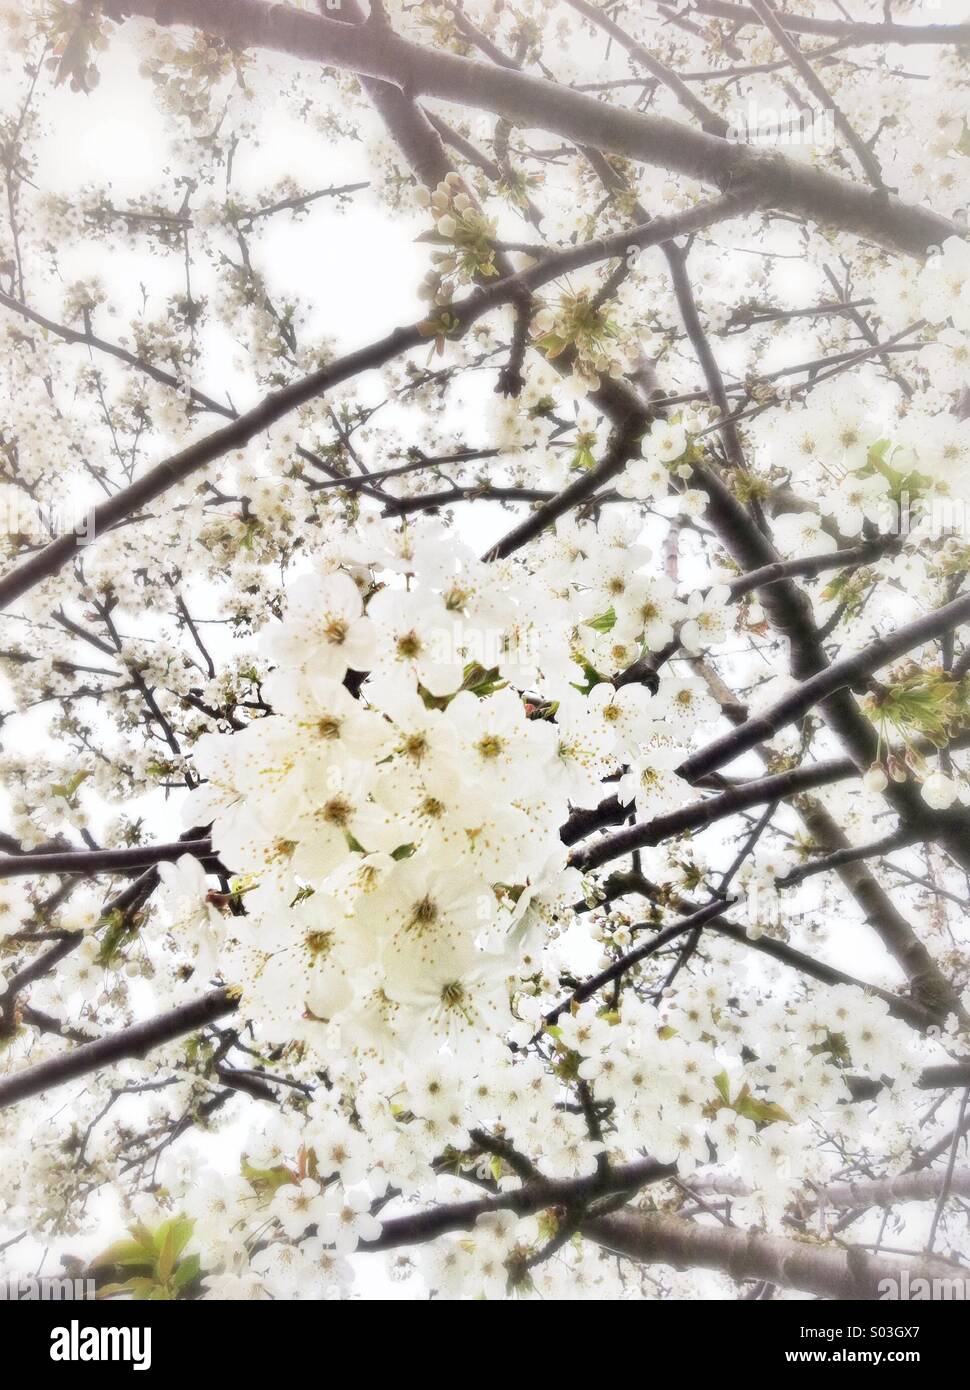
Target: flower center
<point x="415" y="746"/>
<point x="318" y="944"/>
<point x="452" y="995"/>
<point x="337" y="811"/>
<point x="409" y="645"/>
<point x="424" y="914"/>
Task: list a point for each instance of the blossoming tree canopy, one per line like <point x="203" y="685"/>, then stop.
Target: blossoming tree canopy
<point x="485" y="646"/>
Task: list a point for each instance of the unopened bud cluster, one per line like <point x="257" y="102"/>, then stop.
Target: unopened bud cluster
<point x="469" y="233"/>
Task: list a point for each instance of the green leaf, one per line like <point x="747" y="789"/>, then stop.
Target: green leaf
<point x="166" y="1255"/>
<point x="603" y="622"/>
<point x="591" y="678"/>
<point x="552" y="345"/>
<point x="140" y="1287"/>
<point x="119" y="929"/>
<point x="267" y="1179"/>
<point x="763" y="1112"/>
<point x="170" y="1239"/>
<point x="126" y="1253"/>
<point x="187" y="1272"/>
<point x="480" y="681"/>
<point x="67" y="789"/>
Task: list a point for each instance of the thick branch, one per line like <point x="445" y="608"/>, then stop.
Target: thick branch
<point x="829" y="1272"/>
<point x="856" y="33"/>
<point x="375" y="51"/>
<point x="136" y="1041"/>
<point x="698" y="813"/>
<point x="462" y="1216"/>
<point x="887" y="1192"/>
<point x="102" y="861"/>
<point x="899" y="937"/>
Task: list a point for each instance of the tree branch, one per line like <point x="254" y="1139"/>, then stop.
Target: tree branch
<point x="534" y="102"/>
<point x="136" y="1041"/>
<point x="828" y="1272"/>
<point x="102" y="861"/>
<point x="838" y="676"/>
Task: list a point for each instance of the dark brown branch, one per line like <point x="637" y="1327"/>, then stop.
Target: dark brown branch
<point x="532" y="1197"/>
<point x="136" y="1041"/>
<point x="623" y="446"/>
<point x="908" y="1010"/>
<point x="102" y="861"/>
<point x="838" y="676"/>
<point x="698" y="813"/>
<point x="929" y="984"/>
<point x="621" y="967"/>
<point x="851" y="853"/>
<point x="812" y="565"/>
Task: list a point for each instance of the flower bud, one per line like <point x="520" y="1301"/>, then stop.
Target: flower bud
<point x="875" y="780"/>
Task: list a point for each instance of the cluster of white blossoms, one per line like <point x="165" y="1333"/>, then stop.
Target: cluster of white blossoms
<point x="312" y="1182"/>
<point x="394" y="825"/>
